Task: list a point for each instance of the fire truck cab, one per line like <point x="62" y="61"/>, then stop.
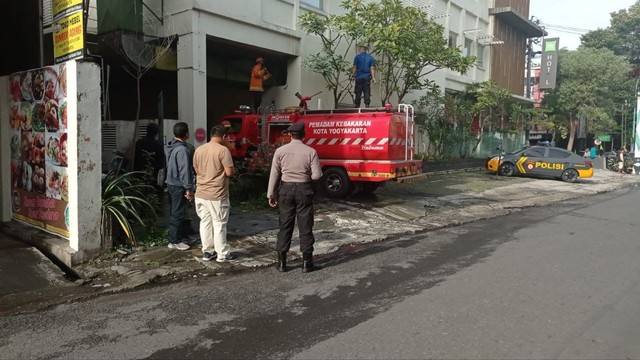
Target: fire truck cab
<point x="359" y="149"/>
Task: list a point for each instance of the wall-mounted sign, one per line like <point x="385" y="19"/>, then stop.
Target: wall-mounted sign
<point x="549" y="63"/>
<point x="62" y="8"/>
<point x="200" y="135"/>
<point x="68" y="30"/>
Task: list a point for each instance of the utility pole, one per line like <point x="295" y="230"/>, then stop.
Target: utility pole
<point x="529" y="50"/>
<point x="530" y="55"/>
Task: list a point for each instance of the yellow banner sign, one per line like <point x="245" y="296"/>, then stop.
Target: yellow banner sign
<point x="62" y="8"/>
<point x="68" y="38"/>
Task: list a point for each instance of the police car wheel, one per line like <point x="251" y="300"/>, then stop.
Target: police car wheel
<point x="506" y="169"/>
<point x="569" y="175"/>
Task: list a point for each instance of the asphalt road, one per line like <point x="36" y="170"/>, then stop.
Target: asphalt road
<point x="555" y="282"/>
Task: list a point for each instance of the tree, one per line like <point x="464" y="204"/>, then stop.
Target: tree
<point x="590" y="83"/>
<point x="408" y="46"/>
<point x="431" y="120"/>
<point x="141" y="53"/>
<point x="621" y="36"/>
<point x="490" y="104"/>
<point x="337" y="34"/>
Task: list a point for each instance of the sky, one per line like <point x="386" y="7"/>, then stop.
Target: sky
<point x="579" y="14"/>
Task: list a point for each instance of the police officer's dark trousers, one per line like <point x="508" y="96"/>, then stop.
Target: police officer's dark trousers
<point x="295" y="200"/>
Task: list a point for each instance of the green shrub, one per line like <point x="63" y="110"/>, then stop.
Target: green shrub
<point x="127" y="200"/>
<point x="155" y="236"/>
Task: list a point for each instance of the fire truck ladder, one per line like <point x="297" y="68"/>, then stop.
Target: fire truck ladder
<point x="409" y="133"/>
<point x="263" y="111"/>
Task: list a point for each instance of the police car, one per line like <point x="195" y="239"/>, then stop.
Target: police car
<point x="542" y="161"/>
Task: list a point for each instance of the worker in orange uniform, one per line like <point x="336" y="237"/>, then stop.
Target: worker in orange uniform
<point x="259" y="73"/>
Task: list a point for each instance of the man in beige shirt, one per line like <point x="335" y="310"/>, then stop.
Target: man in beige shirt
<point x="213" y="165"/>
<point x="295" y="165"/>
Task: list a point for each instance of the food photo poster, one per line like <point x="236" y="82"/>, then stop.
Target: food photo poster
<point x="39" y="181"/>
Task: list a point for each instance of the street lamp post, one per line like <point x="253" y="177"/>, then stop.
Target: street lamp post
<point x="624" y="125"/>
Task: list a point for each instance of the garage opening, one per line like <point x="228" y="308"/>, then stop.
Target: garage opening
<point x="228" y="72"/>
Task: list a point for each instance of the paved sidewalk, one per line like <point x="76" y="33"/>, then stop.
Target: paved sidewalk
<point x="395" y="210"/>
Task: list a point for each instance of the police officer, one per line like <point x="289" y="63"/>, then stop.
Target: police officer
<point x="295" y="165"/>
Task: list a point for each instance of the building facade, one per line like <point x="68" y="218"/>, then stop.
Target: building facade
<point x="214" y="44"/>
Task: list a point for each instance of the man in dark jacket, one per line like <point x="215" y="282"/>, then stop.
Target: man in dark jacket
<point x="149" y="156"/>
<point x="180" y="183"/>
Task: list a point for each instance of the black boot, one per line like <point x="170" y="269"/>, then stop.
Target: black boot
<point x="282" y="261"/>
<point x="307" y="263"/>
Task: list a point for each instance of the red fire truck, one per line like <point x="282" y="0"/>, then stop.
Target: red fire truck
<point x="359" y="149"/>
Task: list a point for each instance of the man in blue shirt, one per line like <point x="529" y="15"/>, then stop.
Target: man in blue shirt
<point x="364" y="71"/>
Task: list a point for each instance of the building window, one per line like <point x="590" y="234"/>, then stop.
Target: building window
<point x="480" y="55"/>
<point x="453" y="39"/>
<point x="467" y="47"/>
<point x="314" y="3"/>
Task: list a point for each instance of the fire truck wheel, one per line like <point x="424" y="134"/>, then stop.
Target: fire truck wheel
<point x="335" y="182"/>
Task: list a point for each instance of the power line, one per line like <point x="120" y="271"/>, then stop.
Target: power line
<point x="566" y="27"/>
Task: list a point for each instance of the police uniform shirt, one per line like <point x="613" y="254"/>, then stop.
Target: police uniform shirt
<point x="295" y="163"/>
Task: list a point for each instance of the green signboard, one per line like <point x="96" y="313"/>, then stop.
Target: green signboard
<point x="604" y="138"/>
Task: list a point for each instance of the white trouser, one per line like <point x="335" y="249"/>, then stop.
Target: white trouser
<point x="214" y="215"/>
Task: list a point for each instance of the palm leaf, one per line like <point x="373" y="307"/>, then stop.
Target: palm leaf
<point x="124" y="198"/>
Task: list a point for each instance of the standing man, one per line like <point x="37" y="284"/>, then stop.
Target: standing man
<point x="213" y="165"/>
<point x="364" y="72"/>
<point x="259" y="73"/>
<point x="149" y="156"/>
<point x="621" y="155"/>
<point x="295" y="165"/>
<point x="227" y="128"/>
<point x="179" y="183"/>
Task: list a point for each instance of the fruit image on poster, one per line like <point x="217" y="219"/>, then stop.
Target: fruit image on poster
<point x="38" y="120"/>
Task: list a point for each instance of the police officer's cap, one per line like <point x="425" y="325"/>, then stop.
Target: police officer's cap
<point x="297" y="128"/>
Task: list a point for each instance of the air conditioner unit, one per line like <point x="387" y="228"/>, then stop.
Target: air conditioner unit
<point x="117" y="136"/>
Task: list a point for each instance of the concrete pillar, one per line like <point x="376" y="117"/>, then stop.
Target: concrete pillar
<point x="192" y="80"/>
<point x="86" y="165"/>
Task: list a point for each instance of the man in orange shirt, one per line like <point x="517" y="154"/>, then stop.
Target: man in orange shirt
<point x="213" y="166"/>
<point x="259" y="73"/>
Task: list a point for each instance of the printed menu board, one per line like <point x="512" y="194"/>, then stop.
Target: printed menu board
<point x="39" y="181"/>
